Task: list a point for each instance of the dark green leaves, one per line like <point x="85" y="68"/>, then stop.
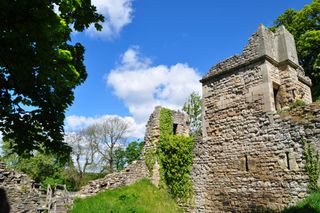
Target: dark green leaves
<point x="39" y="69"/>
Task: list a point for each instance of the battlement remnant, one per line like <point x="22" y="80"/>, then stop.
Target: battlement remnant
<point x="282" y="79"/>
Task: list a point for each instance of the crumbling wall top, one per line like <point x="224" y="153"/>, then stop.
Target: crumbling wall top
<point x="277" y="47"/>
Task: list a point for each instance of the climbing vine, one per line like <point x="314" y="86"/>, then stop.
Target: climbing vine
<point x="166" y="122"/>
<point x="150" y="159"/>
<point x="312" y="165"/>
<point x="175" y="156"/>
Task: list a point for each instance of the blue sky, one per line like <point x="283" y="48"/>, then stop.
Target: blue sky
<point x="154" y="52"/>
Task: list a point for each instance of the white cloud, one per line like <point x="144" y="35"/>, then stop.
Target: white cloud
<point x="117" y="13"/>
<point x="143" y="86"/>
<point x="74" y="122"/>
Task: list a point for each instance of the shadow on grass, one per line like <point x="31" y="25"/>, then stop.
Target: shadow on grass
<point x="305" y="209"/>
<point x="302" y="209"/>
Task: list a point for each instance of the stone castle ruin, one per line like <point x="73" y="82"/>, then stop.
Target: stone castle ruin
<point x="19" y="193"/>
<point x="138" y="169"/>
<point x="251" y="158"/>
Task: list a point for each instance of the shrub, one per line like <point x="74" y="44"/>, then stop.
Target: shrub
<point x="296" y="104"/>
<point x="175" y="154"/>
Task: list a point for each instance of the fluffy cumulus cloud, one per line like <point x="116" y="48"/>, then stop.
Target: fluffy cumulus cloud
<point x="117" y="13"/>
<point x="142" y="86"/>
<point x="74" y="123"/>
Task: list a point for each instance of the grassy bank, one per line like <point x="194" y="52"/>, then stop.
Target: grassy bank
<point x="309" y="205"/>
<point x="141" y="197"/>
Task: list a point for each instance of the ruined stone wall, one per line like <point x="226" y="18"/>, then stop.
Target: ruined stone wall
<point x="18" y="187"/>
<point x="152" y="133"/>
<point x="134" y="172"/>
<point x="254" y="161"/>
<point x="19" y="193"/>
<point x="180" y="122"/>
<point x="153" y="127"/>
<point x="250" y="157"/>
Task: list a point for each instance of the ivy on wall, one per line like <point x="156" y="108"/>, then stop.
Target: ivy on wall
<point x="312" y="166"/>
<point x="150" y="159"/>
<point x="175" y="157"/>
<point x="175" y="154"/>
<point x="166" y="122"/>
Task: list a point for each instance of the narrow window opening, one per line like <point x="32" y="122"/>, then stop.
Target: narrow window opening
<point x="294" y="93"/>
<point x="275" y="95"/>
<point x="175" y="127"/>
<point x="247" y="165"/>
<point x="288" y="160"/>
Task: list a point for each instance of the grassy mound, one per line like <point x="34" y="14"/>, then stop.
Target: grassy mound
<point x="141" y="197"/>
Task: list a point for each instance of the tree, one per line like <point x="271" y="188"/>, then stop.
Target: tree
<point x="39" y="69"/>
<point x="112" y="134"/>
<point x="133" y="151"/>
<point x="84" y="149"/>
<point x="43" y="168"/>
<point x="119" y="158"/>
<point x="304" y="25"/>
<point x="193" y="109"/>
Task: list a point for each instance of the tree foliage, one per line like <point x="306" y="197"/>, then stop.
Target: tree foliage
<point x="304" y="25"/>
<point x="43" y="168"/>
<point x="193" y="108"/>
<point x="133" y="151"/>
<point x="99" y="146"/>
<point x="39" y="69"/>
<point x="112" y="134"/>
<point x="84" y="149"/>
<point x="119" y="158"/>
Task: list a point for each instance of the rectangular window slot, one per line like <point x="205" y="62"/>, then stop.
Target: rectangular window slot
<point x="288" y="160"/>
<point x="247" y="164"/>
<point x="275" y="95"/>
<point x="294" y="93"/>
<point x="175" y="128"/>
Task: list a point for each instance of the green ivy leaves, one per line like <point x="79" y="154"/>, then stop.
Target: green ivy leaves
<point x="175" y="153"/>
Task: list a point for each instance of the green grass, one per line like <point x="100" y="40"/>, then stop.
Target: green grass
<point x="309" y="205"/>
<point x="141" y="197"/>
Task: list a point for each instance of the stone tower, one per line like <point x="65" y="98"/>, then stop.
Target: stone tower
<point x="152" y="135"/>
<point x="249" y="157"/>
